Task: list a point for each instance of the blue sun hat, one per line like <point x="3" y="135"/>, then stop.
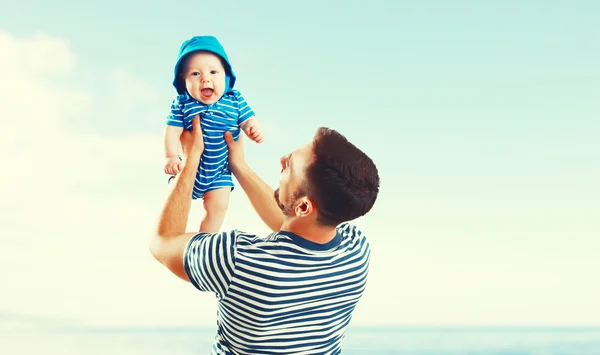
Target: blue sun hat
<point x="203" y="43"/>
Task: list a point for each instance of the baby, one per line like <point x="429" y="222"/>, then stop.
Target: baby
<point x="204" y="82"/>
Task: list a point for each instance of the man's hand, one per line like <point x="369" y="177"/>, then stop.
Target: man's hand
<point x="236" y="152"/>
<point x="192" y="142"/>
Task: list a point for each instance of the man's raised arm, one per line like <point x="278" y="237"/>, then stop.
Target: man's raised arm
<point x="259" y="193"/>
<point x="169" y="242"/>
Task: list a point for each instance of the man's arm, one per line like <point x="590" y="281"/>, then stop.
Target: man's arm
<point x="169" y="242"/>
<point x="259" y="193"/>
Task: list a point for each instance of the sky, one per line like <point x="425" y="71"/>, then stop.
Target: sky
<point x="482" y="117"/>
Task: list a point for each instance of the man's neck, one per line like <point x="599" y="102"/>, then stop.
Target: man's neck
<point x="314" y="233"/>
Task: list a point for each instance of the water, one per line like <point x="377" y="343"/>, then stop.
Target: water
<point x="406" y="341"/>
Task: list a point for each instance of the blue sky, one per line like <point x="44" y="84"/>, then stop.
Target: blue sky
<point x="483" y="118"/>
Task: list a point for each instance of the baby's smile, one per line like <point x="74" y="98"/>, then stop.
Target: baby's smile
<point x="206" y="92"/>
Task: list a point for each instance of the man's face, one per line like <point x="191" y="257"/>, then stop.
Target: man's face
<point x="291" y="178"/>
<point x="204" y="77"/>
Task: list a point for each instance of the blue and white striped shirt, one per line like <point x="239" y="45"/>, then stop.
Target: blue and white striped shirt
<point x="227" y="114"/>
<point x="281" y="294"/>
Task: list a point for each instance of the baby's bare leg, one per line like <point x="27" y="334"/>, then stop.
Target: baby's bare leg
<point x="216" y="203"/>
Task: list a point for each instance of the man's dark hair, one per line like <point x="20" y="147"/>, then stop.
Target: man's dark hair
<point x="342" y="181"/>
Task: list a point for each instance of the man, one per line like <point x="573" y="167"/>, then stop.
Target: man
<point x="293" y="291"/>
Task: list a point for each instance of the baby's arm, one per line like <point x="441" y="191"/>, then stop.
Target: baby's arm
<point x="252" y="129"/>
<point x="173" y="131"/>
<point x="247" y="120"/>
<point x="172" y="163"/>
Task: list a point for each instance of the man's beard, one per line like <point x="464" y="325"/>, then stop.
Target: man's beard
<point x="287" y="209"/>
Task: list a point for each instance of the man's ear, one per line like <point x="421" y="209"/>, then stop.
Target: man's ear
<point x="304" y="207"/>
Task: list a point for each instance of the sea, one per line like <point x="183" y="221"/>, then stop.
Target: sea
<point x="359" y="340"/>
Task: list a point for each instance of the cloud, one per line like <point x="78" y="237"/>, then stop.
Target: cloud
<point x="133" y="105"/>
<point x="73" y="243"/>
<point x="129" y="90"/>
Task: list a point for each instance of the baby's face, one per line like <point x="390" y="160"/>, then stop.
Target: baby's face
<point x="204" y="77"/>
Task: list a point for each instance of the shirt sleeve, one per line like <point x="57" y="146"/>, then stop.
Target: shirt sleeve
<point x="245" y="111"/>
<point x="209" y="261"/>
<point x="175" y="117"/>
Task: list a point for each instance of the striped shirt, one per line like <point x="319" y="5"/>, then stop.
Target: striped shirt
<point x="227" y="114"/>
<point x="281" y="294"/>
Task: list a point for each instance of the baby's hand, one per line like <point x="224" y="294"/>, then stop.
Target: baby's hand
<point x="172" y="165"/>
<point x="255" y="133"/>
